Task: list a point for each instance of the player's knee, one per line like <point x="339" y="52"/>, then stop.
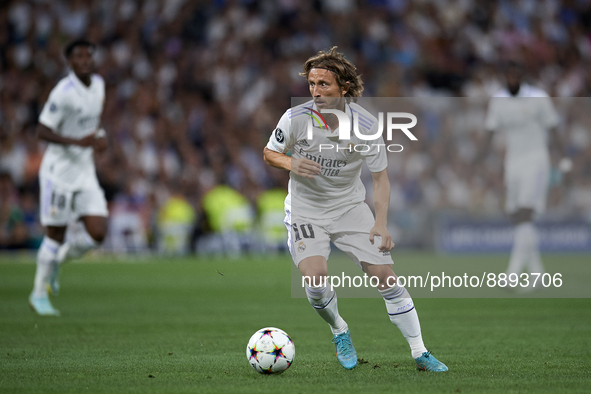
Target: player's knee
<point x="316" y="280"/>
<point x="98" y="231"/>
<point x="56" y="233"/>
<point x="98" y="235"/>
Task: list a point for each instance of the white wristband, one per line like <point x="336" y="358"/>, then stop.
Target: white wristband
<point x="565" y="164"/>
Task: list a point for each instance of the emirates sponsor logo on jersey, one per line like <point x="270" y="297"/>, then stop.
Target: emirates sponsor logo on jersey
<point x="330" y="166"/>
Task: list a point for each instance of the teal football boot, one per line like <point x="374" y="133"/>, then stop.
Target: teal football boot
<point x="42" y="306"/>
<point x="429" y="363"/>
<point x="346" y="353"/>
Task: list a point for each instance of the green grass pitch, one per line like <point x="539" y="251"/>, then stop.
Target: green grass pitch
<point x="179" y="325"/>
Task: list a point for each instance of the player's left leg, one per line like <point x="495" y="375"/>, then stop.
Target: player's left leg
<point x="523" y="240"/>
<point x="79" y="242"/>
<point x="85" y="239"/>
<point x="526" y="197"/>
<point x="403" y="314"/>
<point x="91" y="207"/>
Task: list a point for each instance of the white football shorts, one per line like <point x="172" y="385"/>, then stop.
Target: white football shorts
<point x="527" y="187"/>
<point x="59" y="206"/>
<point x="350" y="233"/>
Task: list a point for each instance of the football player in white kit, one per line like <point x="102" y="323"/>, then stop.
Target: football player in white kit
<point x="69" y="188"/>
<point x="526" y="115"/>
<point x="326" y="203"/>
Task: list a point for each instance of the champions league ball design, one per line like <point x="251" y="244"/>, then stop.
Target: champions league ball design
<point x="270" y="350"/>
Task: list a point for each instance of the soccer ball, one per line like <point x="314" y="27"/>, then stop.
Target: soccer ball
<point x="270" y="350"/>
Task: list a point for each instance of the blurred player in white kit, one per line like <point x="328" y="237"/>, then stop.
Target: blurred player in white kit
<point x="326" y="202"/>
<point x="527" y="117"/>
<point x="69" y="189"/>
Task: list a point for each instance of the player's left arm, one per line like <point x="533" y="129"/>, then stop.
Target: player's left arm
<point x="101" y="135"/>
<point x="381" y="199"/>
<point x="550" y="119"/>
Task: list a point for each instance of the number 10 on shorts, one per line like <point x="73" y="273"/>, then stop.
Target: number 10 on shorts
<point x="306" y="229"/>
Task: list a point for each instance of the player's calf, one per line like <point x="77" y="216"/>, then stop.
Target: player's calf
<point x="402" y="313"/>
<point x="324" y="301"/>
<point x="96" y="226"/>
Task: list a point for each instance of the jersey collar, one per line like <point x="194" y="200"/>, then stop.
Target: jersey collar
<point x="524" y="91"/>
<point x="78" y="83"/>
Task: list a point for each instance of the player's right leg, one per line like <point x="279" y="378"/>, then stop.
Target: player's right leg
<point x="55" y="204"/>
<point x="314" y="270"/>
<point x="46" y="267"/>
<point x="309" y="245"/>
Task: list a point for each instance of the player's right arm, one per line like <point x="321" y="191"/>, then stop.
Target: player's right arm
<point x="303" y="167"/>
<point x="550" y="120"/>
<point x="53" y="114"/>
<point x="46" y="134"/>
<point x="275" y="153"/>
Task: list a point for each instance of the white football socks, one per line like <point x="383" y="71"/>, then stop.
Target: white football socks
<point x="46" y="257"/>
<point x="526" y="250"/>
<point x="403" y="314"/>
<point x="324" y="302"/>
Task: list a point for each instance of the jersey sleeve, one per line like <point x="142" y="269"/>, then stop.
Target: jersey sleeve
<point x="376" y="157"/>
<point x="281" y="138"/>
<point x="53" y="111"/>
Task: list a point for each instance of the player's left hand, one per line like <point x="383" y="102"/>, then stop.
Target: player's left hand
<point x="382" y="231"/>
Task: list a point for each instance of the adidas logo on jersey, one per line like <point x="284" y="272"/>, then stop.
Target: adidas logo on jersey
<point x="304" y="143"/>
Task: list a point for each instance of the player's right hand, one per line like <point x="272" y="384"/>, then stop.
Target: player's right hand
<point x="89" y="140"/>
<point x="305" y="168"/>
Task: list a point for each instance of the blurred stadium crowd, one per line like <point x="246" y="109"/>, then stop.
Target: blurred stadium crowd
<point x="194" y="89"/>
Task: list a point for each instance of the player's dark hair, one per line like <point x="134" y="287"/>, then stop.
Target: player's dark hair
<point x="343" y="70"/>
<point x="81" y="42"/>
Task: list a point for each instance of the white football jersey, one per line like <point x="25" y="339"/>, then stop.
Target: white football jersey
<point x="525" y="119"/>
<point x="338" y="188"/>
<point x="72" y="110"/>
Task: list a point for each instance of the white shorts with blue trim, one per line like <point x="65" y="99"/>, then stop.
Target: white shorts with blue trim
<point x="350" y="233"/>
<point x="59" y="206"/>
